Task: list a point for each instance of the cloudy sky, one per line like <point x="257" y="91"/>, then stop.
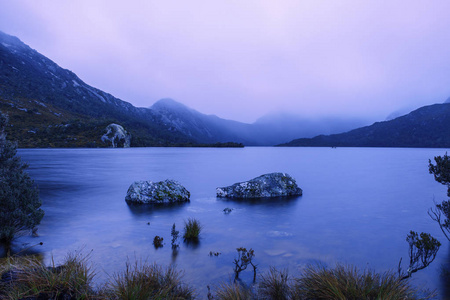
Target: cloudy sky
<point x="241" y="59"/>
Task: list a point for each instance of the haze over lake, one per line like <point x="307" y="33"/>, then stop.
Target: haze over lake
<point x="357" y="207"/>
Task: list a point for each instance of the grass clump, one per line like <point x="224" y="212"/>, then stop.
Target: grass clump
<point x="142" y="281"/>
<point x="192" y="228"/>
<point x="30" y="278"/>
<point x="233" y="291"/>
<point x="346" y="282"/>
<point x="274" y="285"/>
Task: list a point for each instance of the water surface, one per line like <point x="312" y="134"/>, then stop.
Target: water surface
<point x="357" y="207"/>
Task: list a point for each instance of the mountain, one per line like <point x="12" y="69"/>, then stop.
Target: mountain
<point x="50" y="106"/>
<point x="200" y="127"/>
<point x="280" y="127"/>
<point x="428" y="126"/>
<point x="266" y="131"/>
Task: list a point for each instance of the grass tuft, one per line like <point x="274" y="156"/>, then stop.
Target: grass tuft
<point x="274" y="285"/>
<point x="233" y="291"/>
<point x="346" y="282"/>
<point x="192" y="229"/>
<point x="31" y="278"/>
<point x="142" y="281"/>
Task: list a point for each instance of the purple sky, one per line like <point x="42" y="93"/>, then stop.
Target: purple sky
<point x="243" y="59"/>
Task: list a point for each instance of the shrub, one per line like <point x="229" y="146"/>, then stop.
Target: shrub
<point x="19" y="199"/>
<point x="31" y="278"/>
<point x="441" y="170"/>
<point x="245" y="258"/>
<point x="423" y="249"/>
<point x="158" y="241"/>
<point x="346" y="282"/>
<point x="174" y="233"/>
<point x="441" y="212"/>
<point x="192" y="229"/>
<point x="142" y="281"/>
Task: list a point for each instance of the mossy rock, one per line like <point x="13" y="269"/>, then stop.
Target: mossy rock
<point x="162" y="192"/>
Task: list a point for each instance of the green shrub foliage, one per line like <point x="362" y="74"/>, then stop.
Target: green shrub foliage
<point x="441" y="170"/>
<point x="19" y="198"/>
<point x="441" y="212"/>
<point x="422" y="251"/>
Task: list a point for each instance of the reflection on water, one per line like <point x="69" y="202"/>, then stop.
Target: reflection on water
<point x="148" y="209"/>
<point x="357" y="208"/>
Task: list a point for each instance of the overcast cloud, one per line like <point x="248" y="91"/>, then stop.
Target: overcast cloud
<point x="242" y="59"/>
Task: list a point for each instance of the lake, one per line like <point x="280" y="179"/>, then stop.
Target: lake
<point x="358" y="206"/>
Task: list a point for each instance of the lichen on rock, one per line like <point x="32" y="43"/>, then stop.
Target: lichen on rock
<point x="265" y="186"/>
<point x="162" y="192"/>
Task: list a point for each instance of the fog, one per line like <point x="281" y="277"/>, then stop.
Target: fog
<point x="243" y="60"/>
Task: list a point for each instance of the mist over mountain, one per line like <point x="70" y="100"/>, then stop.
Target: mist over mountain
<point x="268" y="130"/>
<point x="428" y="126"/>
<point x="52" y="107"/>
<point x="49" y="106"/>
<point x="200" y="127"/>
<point x="286" y="126"/>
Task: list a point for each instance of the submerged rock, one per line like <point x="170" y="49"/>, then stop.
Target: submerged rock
<point x="117" y="136"/>
<point x="148" y="192"/>
<point x="264" y="186"/>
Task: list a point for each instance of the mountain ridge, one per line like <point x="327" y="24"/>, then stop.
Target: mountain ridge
<point x="52" y="107"/>
<point x="425" y="127"/>
<point x="26" y="76"/>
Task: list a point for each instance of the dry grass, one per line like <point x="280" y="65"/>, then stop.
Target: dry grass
<point x="31" y="278"/>
<point x="233" y="291"/>
<point x="346" y="282"/>
<point x="142" y="281"/>
<point x="274" y="285"/>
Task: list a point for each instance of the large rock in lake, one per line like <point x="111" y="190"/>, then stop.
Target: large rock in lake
<point x="264" y="186"/>
<point x="148" y="192"/>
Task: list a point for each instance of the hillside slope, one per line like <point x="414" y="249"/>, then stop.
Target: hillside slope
<point x="39" y="96"/>
<point x="427" y="127"/>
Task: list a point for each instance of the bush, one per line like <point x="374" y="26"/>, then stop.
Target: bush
<point x="158" y="242"/>
<point x="346" y="282"/>
<point x="441" y="212"/>
<point x="192" y="229"/>
<point x="142" y="281"/>
<point x="19" y="199"/>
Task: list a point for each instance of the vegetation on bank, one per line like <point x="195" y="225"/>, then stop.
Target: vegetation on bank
<point x="20" y="205"/>
<point x="38" y="125"/>
<point x="28" y="278"/>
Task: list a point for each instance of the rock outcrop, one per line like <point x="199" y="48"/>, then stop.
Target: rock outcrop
<point x="117" y="136"/>
<point x="148" y="192"/>
<point x="265" y="186"/>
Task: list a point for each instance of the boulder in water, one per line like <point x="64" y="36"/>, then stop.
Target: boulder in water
<point x="265" y="186"/>
<point x="162" y="192"/>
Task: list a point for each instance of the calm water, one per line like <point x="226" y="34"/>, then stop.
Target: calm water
<point x="358" y="206"/>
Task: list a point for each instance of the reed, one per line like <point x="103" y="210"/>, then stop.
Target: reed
<point x="192" y="228"/>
